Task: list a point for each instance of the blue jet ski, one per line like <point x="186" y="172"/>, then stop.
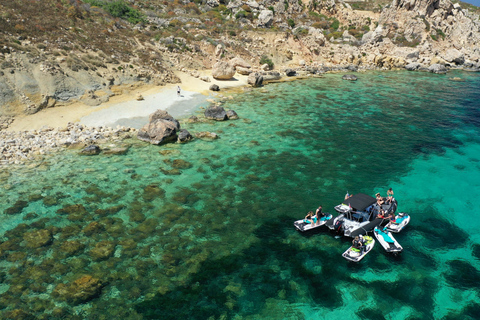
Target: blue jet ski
<point x="387" y="241"/>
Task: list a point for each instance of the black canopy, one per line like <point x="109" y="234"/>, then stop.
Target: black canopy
<point x="360" y="201"/>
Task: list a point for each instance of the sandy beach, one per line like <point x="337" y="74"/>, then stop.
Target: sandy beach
<point x="124" y="109"/>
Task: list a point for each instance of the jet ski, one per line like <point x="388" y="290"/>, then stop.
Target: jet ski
<point x="353" y="254"/>
<point x="387" y="241"/>
<point x="401" y="220"/>
<point x="305" y="225"/>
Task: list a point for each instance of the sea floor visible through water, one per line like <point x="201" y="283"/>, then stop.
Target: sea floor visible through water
<point x="204" y="230"/>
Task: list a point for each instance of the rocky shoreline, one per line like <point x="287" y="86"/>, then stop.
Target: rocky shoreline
<point x="18" y="147"/>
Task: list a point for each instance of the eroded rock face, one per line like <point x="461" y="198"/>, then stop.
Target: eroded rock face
<point x="239" y="62"/>
<point x="79" y="291"/>
<point x="162" y="128"/>
<point x="454" y="56"/>
<point x="265" y="18"/>
<point x="223" y="70"/>
<point x="216" y="113"/>
<point x="38" y="238"/>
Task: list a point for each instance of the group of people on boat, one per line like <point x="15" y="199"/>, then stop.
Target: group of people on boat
<point x="388" y="200"/>
<point x="314" y="218"/>
<point x="381" y="213"/>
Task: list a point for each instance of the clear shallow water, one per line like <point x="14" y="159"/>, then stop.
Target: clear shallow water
<point x="205" y="229"/>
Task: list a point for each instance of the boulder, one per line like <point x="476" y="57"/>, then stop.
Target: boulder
<point x="244" y="71"/>
<point x="216" y="113"/>
<point x="454" y="56"/>
<point x="38" y="238"/>
<point x="72" y="247"/>
<point x="265" y="18"/>
<point x="413" y="66"/>
<point x="139" y="97"/>
<point x="184" y="136"/>
<point x="214" y="87"/>
<point x="271" y="76"/>
<point x="205" y="78"/>
<point x="222" y="70"/>
<point x="116" y="150"/>
<point x="350" y="77"/>
<point x="162" y="128"/>
<point x="232" y="115"/>
<point x="265" y="67"/>
<point x="290" y="72"/>
<point x="79" y="291"/>
<point x="91" y="150"/>
<point x="255" y="79"/>
<point x="437" y="68"/>
<point x="239" y="62"/>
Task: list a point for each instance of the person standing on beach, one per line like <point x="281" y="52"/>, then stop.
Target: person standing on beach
<point x="178" y="91"/>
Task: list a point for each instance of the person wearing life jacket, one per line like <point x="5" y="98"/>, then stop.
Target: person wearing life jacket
<point x="359" y="244"/>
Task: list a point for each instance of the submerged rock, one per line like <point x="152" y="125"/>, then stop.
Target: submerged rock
<point x="16" y="208"/>
<point x="72" y="247"/>
<point x="38" y="238"/>
<point x="232" y="115"/>
<point x="103" y="250"/>
<point x="79" y="291"/>
<point x="205" y="135"/>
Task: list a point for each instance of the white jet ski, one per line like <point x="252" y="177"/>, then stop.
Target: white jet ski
<point x="305" y="225"/>
<point x="353" y="254"/>
<point x="387" y="241"/>
<point x="401" y="220"/>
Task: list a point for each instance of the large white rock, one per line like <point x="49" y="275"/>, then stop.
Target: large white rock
<point x="223" y="70"/>
<point x="265" y="18"/>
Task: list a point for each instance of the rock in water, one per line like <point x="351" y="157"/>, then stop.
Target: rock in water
<point x="350" y="77"/>
<point x="216" y="113"/>
<point x="437" y="68"/>
<point x="232" y="115"/>
<point x="38" y="238"/>
<point x="255" y="79"/>
<point x="162" y="128"/>
<point x="91" y="150"/>
<point x="223" y="70"/>
<point x="79" y="291"/>
<point x="184" y="136"/>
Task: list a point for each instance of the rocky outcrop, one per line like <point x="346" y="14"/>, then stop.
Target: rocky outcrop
<point x="223" y="70"/>
<point x="265" y="18"/>
<point x="454" y="56"/>
<point x="162" y="128"/>
<point x="91" y="150"/>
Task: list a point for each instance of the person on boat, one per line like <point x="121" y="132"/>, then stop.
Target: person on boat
<point x="379" y="199"/>
<point x="391" y="219"/>
<point x="389" y="195"/>
<point x="348" y="195"/>
<point x="358" y="244"/>
<point x="319" y="215"/>
<point x="381" y="214"/>
<point x="310" y="218"/>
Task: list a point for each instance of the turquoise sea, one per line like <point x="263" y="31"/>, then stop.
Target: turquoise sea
<point x="205" y="230"/>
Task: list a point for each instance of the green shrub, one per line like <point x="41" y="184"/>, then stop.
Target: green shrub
<point x="291" y="23"/>
<point x="271" y="8"/>
<point x="240" y="14"/>
<point x="440" y="33"/>
<point x="266" y="60"/>
<point x="119" y="9"/>
<point x="335" y="24"/>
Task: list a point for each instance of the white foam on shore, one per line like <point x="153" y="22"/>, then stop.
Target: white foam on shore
<point x="135" y="113"/>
